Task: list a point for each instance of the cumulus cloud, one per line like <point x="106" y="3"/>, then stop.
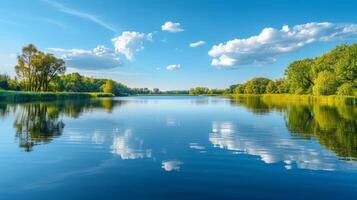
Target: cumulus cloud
<point x="270" y="43"/>
<point x="197" y="44"/>
<point x="100" y="57"/>
<point x="172" y="27"/>
<point x="129" y="43"/>
<point x="173" y="67"/>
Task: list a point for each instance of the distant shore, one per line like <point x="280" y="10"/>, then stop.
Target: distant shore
<point x="22" y="96"/>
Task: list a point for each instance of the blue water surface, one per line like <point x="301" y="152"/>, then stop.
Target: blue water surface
<point x="177" y="148"/>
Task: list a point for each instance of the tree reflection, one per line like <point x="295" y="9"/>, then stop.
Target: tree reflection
<point x="39" y="123"/>
<point x="36" y="124"/>
<point x="335" y="127"/>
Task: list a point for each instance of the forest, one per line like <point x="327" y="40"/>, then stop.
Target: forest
<point x="333" y="73"/>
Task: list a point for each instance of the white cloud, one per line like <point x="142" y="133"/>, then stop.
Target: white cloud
<point x="270" y="43"/>
<point x="80" y="14"/>
<point x="98" y="58"/>
<point x="172" y="27"/>
<point x="129" y="43"/>
<point x="172" y="165"/>
<point x="173" y="67"/>
<point x="197" y="44"/>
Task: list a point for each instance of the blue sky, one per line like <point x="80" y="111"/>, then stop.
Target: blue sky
<point x="175" y="44"/>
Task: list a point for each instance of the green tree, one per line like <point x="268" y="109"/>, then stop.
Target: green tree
<point x="271" y="88"/>
<point x="346" y="89"/>
<point x="326" y="83"/>
<point x="216" y="91"/>
<point x="50" y="68"/>
<point x="108" y="87"/>
<point x="329" y="61"/>
<point x="199" y="91"/>
<point x="36" y="69"/>
<point x="239" y="89"/>
<point x="299" y="75"/>
<point x="347" y="66"/>
<point x="25" y="69"/>
<point x="282" y="86"/>
<point x="4" y="81"/>
<point x="256" y="86"/>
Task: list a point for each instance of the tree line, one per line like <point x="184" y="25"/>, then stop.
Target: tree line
<point x="37" y="71"/>
<point x="333" y="73"/>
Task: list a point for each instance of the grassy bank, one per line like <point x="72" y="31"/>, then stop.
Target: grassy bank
<point x="329" y="100"/>
<point x="19" y="96"/>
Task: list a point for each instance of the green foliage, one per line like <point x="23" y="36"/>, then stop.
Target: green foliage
<point x="4" y="81"/>
<point x="326" y="83"/>
<point x="19" y="96"/>
<point x="256" y="86"/>
<point x="36" y="69"/>
<point x="329" y="61"/>
<point x="347" y="66"/>
<point x="199" y="91"/>
<point x="318" y="76"/>
<point x="346" y="89"/>
<point x="108" y="87"/>
<point x="239" y="89"/>
<point x="271" y="88"/>
<point x="299" y="76"/>
<point x="216" y="91"/>
<point x="282" y="86"/>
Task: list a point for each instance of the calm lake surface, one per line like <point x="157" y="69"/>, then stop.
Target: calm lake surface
<point x="177" y="148"/>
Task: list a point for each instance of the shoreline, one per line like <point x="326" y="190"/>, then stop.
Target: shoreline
<point x="292" y="98"/>
<point x="21" y="96"/>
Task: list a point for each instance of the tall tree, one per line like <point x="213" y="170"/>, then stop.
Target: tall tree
<point x="36" y="69"/>
<point x="108" y="87"/>
<point x="25" y="69"/>
<point x="299" y="75"/>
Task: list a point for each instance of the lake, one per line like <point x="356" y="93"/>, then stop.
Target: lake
<point x="177" y="148"/>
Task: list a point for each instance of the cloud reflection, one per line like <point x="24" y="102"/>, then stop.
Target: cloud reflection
<point x="127" y="146"/>
<point x="273" y="147"/>
<point x="171" y="165"/>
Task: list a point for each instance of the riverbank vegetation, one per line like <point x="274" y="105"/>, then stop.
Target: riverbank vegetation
<point x="21" y="96"/>
<point x="44" y="74"/>
<point x="332" y="74"/>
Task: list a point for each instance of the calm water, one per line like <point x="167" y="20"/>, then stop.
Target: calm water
<point x="177" y="148"/>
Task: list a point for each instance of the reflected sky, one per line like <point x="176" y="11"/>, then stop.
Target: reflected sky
<point x="171" y="165"/>
<point x="196" y="145"/>
<point x="127" y="146"/>
<point x="275" y="147"/>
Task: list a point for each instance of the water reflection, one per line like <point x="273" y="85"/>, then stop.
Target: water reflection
<point x="335" y="127"/>
<point x="36" y="124"/>
<point x="172" y="165"/>
<point x="296" y="145"/>
<point x="274" y="147"/>
<point x="128" y="146"/>
<point x="39" y="123"/>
